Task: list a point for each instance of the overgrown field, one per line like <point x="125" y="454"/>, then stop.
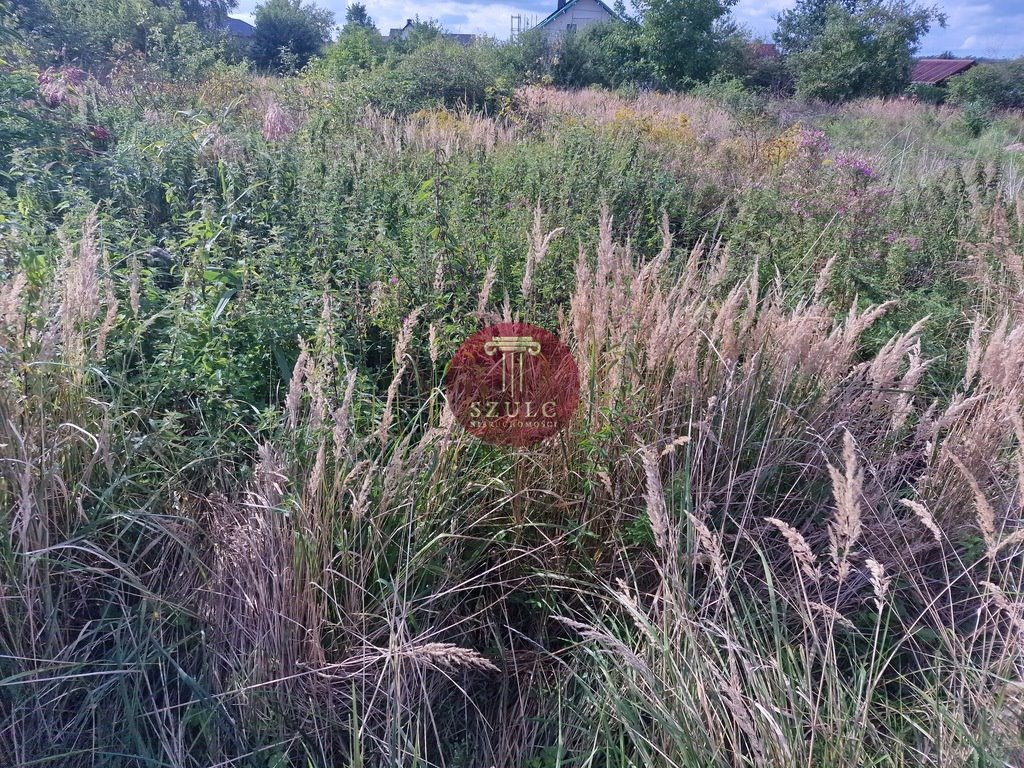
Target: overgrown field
<point x="239" y="527"/>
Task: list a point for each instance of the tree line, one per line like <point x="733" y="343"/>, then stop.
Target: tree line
<point x="834" y="50"/>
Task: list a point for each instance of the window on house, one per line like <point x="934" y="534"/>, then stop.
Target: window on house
<point x="570" y="27"/>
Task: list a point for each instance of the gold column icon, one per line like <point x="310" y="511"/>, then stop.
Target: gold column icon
<point x="512" y="349"/>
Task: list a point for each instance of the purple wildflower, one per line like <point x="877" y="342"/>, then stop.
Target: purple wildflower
<point x="855" y="163"/>
<point x="812" y="140"/>
<point x="59" y="84"/>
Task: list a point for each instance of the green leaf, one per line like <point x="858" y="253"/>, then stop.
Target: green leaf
<point x="423" y="193"/>
<point x="284" y="366"/>
<point x="222" y="305"/>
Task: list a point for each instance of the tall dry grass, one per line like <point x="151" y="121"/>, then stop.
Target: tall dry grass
<point x="876" y="624"/>
<point x="756" y="545"/>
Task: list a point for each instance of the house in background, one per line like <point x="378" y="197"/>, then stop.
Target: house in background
<point x="574" y="15"/>
<point x="238" y="27"/>
<point x="938" y="71"/>
<point x="763" y="51"/>
<point x="402" y="33"/>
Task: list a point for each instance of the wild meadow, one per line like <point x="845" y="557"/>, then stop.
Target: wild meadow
<point x="240" y="527"/>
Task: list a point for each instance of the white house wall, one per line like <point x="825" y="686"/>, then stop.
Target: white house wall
<point x="582" y="14"/>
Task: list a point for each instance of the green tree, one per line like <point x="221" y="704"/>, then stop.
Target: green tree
<point x="89" y="33"/>
<point x="207" y="14"/>
<point x="990" y="86"/>
<point x="682" y="38"/>
<point x="357" y="16"/>
<point x="289" y="33"/>
<point x="357" y="48"/>
<point x="866" y="52"/>
<point x="446" y="73"/>
<point x="527" y="59"/>
<point x="800" y="26"/>
<point x="422" y="32"/>
<point x="609" y="54"/>
<point x="745" y="59"/>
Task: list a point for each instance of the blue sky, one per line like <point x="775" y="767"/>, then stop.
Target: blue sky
<point x="993" y="29"/>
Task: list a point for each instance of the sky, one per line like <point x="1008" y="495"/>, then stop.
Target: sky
<point x="992" y="29"/>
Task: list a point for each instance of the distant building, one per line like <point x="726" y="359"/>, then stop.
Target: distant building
<point x="574" y="15"/>
<point x="463" y="40"/>
<point x="238" y="27"/>
<point x="763" y="51"/>
<point x="402" y="33"/>
<point x="938" y="71"/>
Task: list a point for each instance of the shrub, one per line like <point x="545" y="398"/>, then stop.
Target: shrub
<point x="993" y="85"/>
<point x="185" y="52"/>
<point x="356" y="49"/>
<point x="976" y="117"/>
<point x="527" y="59"/>
<point x="927" y="93"/>
<point x="763" y="72"/>
<point x="289" y="33"/>
<point x="608" y="54"/>
<point x="447" y="73"/>
<point x="861" y="52"/>
<point x="92" y="33"/>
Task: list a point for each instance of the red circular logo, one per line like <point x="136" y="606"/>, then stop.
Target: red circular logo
<point x="513" y="384"/>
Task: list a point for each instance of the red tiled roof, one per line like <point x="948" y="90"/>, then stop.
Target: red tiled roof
<point x="935" y="71"/>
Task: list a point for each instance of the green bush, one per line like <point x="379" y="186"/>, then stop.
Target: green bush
<point x="90" y="33"/>
<point x="865" y="51"/>
<point x="927" y="93"/>
<point x="289" y="33"/>
<point x="976" y="117"/>
<point x="527" y="58"/>
<point x="446" y="73"/>
<point x="357" y="48"/>
<point x="185" y="52"/>
<point x="994" y="85"/>
<point x="608" y="54"/>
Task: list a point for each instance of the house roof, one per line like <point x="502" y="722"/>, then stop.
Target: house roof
<point x="239" y="27"/>
<point x="461" y="39"/>
<point x="936" y="71"/>
<point x="555" y="14"/>
<point x="396" y="31"/>
<point x="764" y="50"/>
<point x="455" y="37"/>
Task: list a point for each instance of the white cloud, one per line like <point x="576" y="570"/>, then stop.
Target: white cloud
<point x="760" y="11"/>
